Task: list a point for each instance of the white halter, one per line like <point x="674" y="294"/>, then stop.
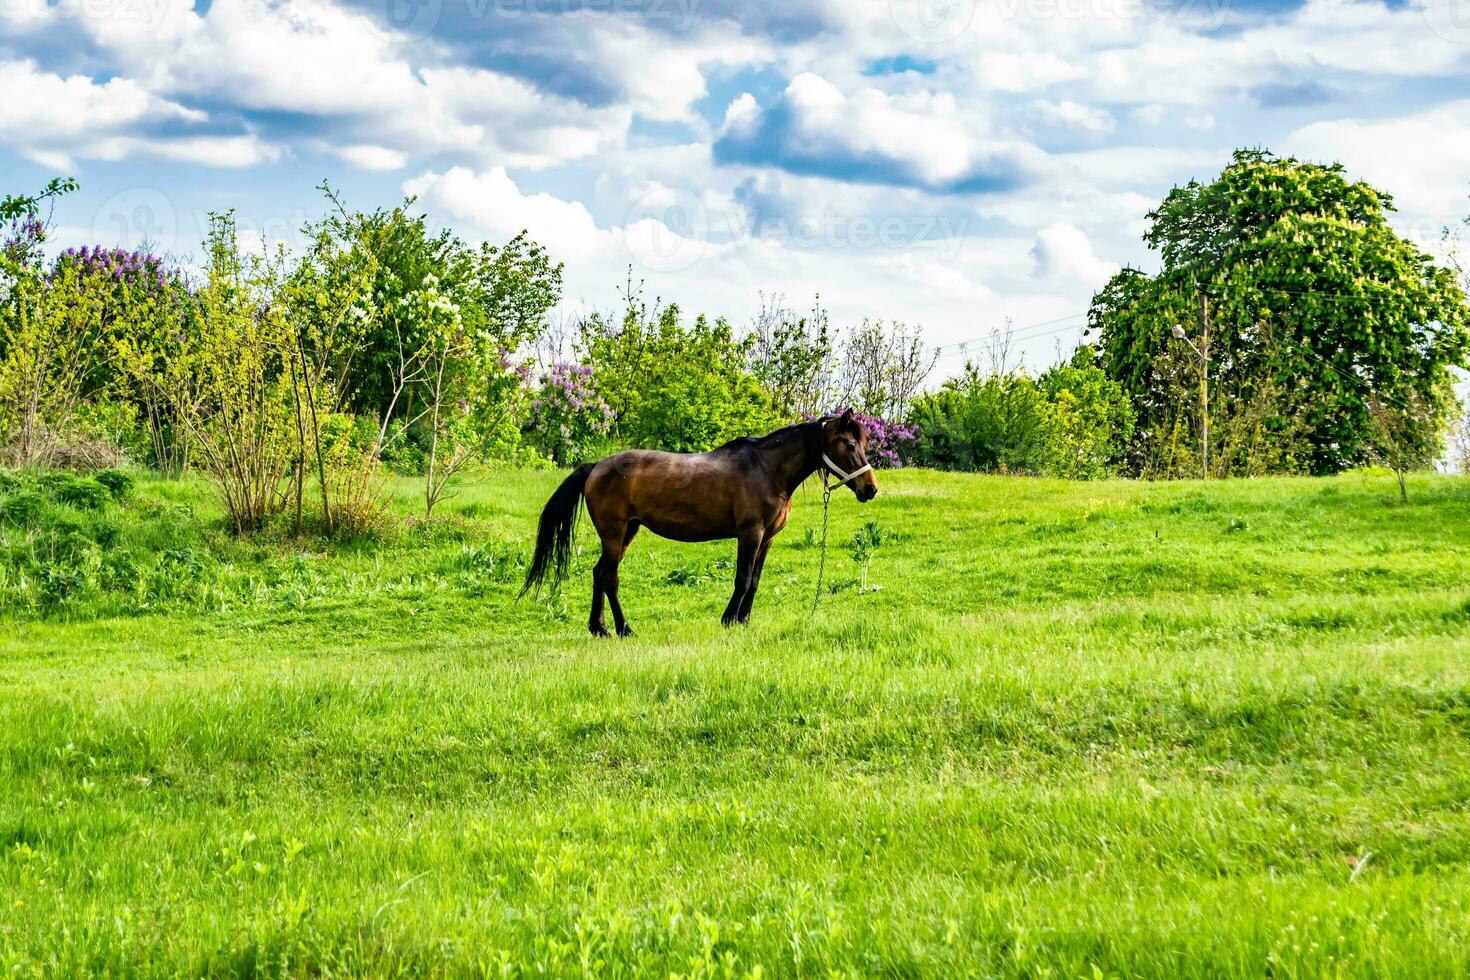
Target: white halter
<point x="838" y="471"/>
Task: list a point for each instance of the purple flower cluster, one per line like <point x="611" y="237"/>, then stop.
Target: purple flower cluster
<point x="117" y="264"/>
<point x="568" y="412"/>
<point x="26" y="234"/>
<point x="888" y="441"/>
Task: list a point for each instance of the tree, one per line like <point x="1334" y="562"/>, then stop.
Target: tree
<point x="1310" y="299"/>
<point x="791" y="356"/>
<point x="883" y="366"/>
<point x="1403" y="439"/>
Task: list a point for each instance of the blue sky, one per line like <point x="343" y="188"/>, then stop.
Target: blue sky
<point x="949" y="162"/>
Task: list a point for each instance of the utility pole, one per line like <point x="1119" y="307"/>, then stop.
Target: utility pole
<point x="1204" y="385"/>
<point x="1203" y="350"/>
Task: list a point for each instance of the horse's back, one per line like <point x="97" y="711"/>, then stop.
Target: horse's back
<point x="686" y="496"/>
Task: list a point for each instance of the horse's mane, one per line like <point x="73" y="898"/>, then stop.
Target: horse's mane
<point x="741" y="442"/>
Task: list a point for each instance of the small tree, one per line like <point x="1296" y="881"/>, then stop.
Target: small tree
<point x="48" y="357"/>
<point x="883" y="366"/>
<point x="330" y="313"/>
<point x="1404" y="436"/>
<point x="241" y="424"/>
<point x="792" y="357"/>
<point x="473" y="397"/>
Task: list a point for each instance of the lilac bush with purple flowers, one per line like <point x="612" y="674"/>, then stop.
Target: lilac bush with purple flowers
<point x="890" y="443"/>
<point x="567" y="415"/>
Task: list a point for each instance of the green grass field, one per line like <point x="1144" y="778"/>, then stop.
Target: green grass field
<point x="1081" y="730"/>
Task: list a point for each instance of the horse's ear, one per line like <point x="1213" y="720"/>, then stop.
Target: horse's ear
<point x="846" y="418"/>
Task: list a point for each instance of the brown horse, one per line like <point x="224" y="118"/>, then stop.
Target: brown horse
<point x="741" y="490"/>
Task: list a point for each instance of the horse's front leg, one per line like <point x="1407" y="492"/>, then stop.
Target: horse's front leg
<point x="750" y="546"/>
<point x="755" y="578"/>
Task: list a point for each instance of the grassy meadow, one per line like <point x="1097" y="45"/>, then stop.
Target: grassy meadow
<point x="1068" y="730"/>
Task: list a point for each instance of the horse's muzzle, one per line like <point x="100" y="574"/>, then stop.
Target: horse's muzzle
<point x="867" y="493"/>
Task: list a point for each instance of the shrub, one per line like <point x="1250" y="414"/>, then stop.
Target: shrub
<point x="84" y="493"/>
<point x="994" y="422"/>
<point x="890" y="443"/>
<point x="1072" y="422"/>
<point x="22" y="506"/>
<point x="118" y="483"/>
<point x="568" y="416"/>
<point x="684" y="388"/>
<point x="1089" y="422"/>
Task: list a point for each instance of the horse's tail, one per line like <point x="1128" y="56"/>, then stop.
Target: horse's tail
<point x="554" y="535"/>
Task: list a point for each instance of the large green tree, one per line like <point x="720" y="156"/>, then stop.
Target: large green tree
<point x="1316" y="309"/>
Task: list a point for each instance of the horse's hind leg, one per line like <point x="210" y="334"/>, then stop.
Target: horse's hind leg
<point x="594" y="621"/>
<point x="605" y="579"/>
<point x="610" y="581"/>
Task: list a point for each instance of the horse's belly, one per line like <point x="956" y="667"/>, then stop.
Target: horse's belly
<point x="677" y="529"/>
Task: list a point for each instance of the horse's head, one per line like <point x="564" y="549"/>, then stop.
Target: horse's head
<point x="845" y="454"/>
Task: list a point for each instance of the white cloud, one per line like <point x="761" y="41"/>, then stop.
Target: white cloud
<point x="1075" y="115"/>
<point x="321" y="59"/>
<point x="1063" y="252"/>
<point x="366" y="156"/>
<point x="497" y="208"/>
<point x="1418" y="159"/>
<point x="1149" y="115"/>
<point x="921" y="136"/>
<point x="53" y="119"/>
<point x="660" y="74"/>
<point x="208" y="151"/>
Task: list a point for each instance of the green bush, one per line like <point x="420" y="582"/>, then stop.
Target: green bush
<point x="1071" y="422"/>
<point x="82" y="492"/>
<point x="118" y="483"/>
<point x="21" y="506"/>
<point x="673" y="386"/>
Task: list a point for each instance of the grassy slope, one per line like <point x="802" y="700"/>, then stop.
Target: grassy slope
<point x="1083" y="729"/>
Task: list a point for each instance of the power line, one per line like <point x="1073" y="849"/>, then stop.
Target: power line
<point x="1038" y="336"/>
<point x="1016" y="333"/>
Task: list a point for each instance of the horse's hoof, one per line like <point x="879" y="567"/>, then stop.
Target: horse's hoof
<point x="625" y="631"/>
<point x="598" y="631"/>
